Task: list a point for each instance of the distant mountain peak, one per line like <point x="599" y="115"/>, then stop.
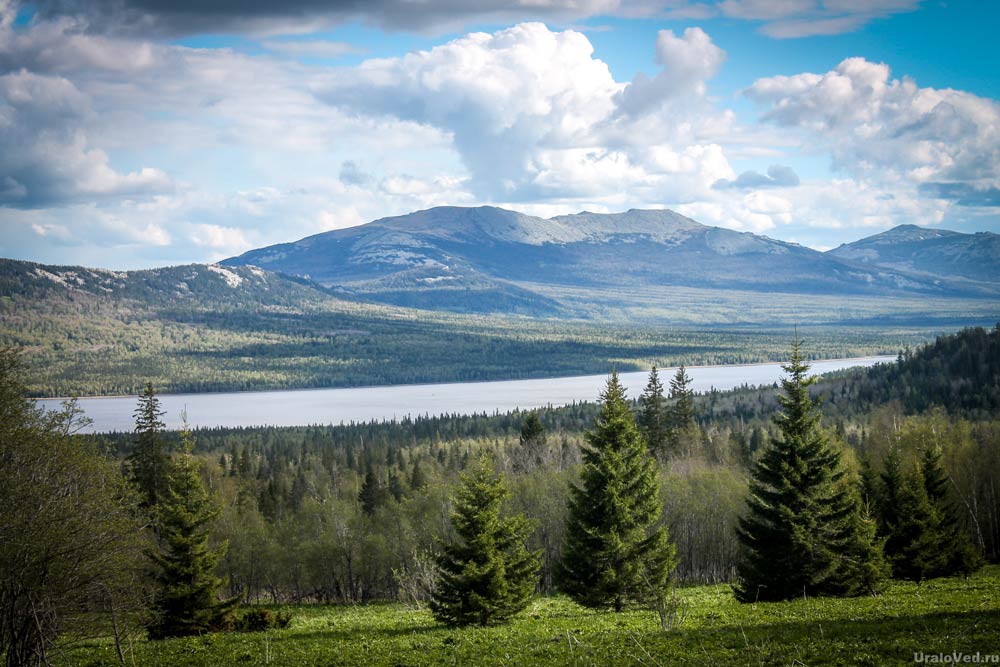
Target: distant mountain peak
<point x="490" y="259"/>
<point x="928" y="251"/>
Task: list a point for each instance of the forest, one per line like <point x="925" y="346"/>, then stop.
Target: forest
<point x="185" y="330"/>
<point x="361" y="513"/>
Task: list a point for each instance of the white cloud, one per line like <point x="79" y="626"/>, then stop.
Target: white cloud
<point x="687" y="63"/>
<point x="534" y="115"/>
<point x="47" y="158"/>
<point x="886" y="130"/>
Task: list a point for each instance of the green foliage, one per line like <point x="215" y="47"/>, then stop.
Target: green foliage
<point x="71" y="541"/>
<point x="486" y="575"/>
<point x="804" y="533"/>
<point x="187" y="597"/>
<point x="869" y="631"/>
<point x="261" y="620"/>
<point x="653" y="417"/>
<point x="615" y="554"/>
<point x="372" y="494"/>
<point x="682" y="430"/>
<point x="148" y="462"/>
<point x="533" y="443"/>
<point x="923" y="539"/>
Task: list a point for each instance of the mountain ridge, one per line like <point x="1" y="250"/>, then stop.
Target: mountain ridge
<point x="485" y="259"/>
<point x="929" y="251"/>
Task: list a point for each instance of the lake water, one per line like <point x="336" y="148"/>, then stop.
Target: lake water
<point x="360" y="404"/>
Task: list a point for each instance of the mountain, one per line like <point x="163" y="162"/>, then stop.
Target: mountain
<point x="928" y="252"/>
<point x="192" y="285"/>
<point x="489" y="259"/>
<point x="212" y="328"/>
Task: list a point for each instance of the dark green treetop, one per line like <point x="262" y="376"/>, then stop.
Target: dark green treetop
<point x="487" y="574"/>
<point x="187" y="599"/>
<point x="149" y="462"/>
<point x="653" y="419"/>
<point x="805" y="531"/>
<point x="616" y="553"/>
<point x="924" y="538"/>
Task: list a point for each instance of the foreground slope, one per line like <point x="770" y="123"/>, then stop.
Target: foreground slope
<point x="947" y="616"/>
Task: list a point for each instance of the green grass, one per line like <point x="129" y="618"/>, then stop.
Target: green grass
<point x="942" y="616"/>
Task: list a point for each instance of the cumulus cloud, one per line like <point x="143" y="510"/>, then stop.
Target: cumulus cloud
<point x="777" y="176"/>
<point x="887" y="130"/>
<point x="533" y="114"/>
<point x="46" y="157"/>
<point x="687" y="61"/>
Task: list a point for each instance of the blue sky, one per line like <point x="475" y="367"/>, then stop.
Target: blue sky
<point x="136" y="133"/>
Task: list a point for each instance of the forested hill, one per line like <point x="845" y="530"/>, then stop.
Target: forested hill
<point x="211" y="328"/>
<point x="488" y="259"/>
<point x="959" y="373"/>
<point x="938" y="252"/>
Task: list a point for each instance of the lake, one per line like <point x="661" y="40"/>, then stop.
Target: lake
<point x="300" y="407"/>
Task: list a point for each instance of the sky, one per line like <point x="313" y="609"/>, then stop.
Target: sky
<point x="143" y="133"/>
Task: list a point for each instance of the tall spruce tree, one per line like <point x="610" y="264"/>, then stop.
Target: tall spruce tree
<point x="682" y="430"/>
<point x="487" y="575"/>
<point x="149" y="463"/>
<point x="923" y="539"/>
<point x="805" y="532"/>
<point x="962" y="556"/>
<point x="372" y="494"/>
<point x="615" y="554"/>
<point x="187" y="598"/>
<point x="653" y="419"/>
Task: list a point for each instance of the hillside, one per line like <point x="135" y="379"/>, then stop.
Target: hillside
<point x="210" y="328"/>
<point x="489" y="259"/>
<point x="928" y="252"/>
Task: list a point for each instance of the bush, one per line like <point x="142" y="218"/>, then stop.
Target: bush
<point x="261" y="620"/>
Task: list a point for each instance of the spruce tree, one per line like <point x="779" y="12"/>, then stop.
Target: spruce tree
<point x="187" y="601"/>
<point x="805" y="532"/>
<point x="149" y="463"/>
<point x="615" y="554"/>
<point x="533" y="443"/>
<point x="923" y="539"/>
<point x="962" y="557"/>
<point x="487" y="574"/>
<point x="682" y="428"/>
<point x="653" y="419"/>
<point x="914" y="541"/>
<point x="372" y="494"/>
<point x="417" y="479"/>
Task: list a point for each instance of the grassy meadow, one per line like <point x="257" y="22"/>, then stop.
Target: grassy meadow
<point x="943" y="616"/>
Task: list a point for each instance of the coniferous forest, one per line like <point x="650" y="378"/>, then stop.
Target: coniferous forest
<point x="826" y="492"/>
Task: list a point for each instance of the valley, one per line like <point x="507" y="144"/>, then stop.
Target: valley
<point x="454" y="295"/>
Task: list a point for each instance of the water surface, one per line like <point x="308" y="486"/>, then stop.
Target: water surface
<point x="299" y="407"/>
